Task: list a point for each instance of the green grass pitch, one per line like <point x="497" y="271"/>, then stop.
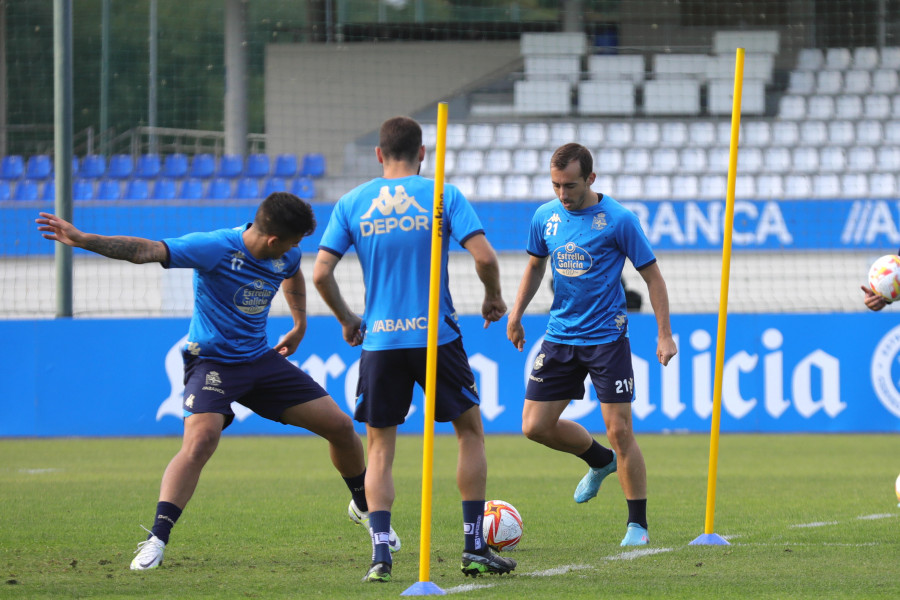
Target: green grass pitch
<point x="807" y="516"/>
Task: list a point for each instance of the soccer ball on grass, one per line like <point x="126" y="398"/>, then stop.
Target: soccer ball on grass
<point x="884" y="277"/>
<point x="502" y="525"/>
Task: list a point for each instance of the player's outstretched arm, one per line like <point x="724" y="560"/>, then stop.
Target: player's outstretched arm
<point x="659" y="300"/>
<point x="488" y="269"/>
<point x="326" y="284"/>
<point x="872" y="300"/>
<point x="133" y="249"/>
<point x="294" y="290"/>
<point x="528" y="287"/>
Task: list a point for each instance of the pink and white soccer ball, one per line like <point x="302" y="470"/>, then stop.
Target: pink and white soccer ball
<point x="502" y="525"/>
<point x="884" y="277"/>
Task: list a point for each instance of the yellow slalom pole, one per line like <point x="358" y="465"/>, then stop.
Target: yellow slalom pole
<point x="709" y="537"/>
<point x="424" y="587"/>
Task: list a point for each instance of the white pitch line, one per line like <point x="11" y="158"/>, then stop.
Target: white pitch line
<point x="817" y="524"/>
<point x="632" y="554"/>
<point x="873" y="517"/>
<point x="558" y="570"/>
<point x="468" y="587"/>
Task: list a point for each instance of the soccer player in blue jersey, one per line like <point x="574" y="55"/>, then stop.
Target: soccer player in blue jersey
<point x="227" y="358"/>
<point x="586" y="237"/>
<point x="388" y="221"/>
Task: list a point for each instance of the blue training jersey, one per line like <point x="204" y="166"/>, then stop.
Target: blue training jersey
<point x="587" y="250"/>
<point x="233" y="292"/>
<point x="388" y="221"/>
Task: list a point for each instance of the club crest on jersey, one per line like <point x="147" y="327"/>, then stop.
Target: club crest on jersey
<point x="599" y="221"/>
<point x="397" y="204"/>
<point x="539" y="361"/>
<point x="212" y="378"/>
<point x="621" y="320"/>
<point x="278" y="265"/>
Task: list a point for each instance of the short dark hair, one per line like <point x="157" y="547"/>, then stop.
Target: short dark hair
<point x="400" y="139"/>
<point x="566" y="153"/>
<point x="285" y="216"/>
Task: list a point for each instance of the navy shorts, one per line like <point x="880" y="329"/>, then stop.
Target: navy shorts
<point x="386" y="379"/>
<point x="559" y="371"/>
<point x="268" y="386"/>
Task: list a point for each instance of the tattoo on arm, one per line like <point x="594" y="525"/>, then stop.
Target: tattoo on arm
<point x="133" y="249"/>
<point x="296" y="300"/>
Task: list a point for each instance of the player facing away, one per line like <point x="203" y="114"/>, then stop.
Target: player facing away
<point x="586" y="237"/>
<point x="388" y="221"/>
<point x="237" y="273"/>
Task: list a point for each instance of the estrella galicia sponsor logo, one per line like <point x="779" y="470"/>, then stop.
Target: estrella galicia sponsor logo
<point x="393" y="209"/>
<point x="213" y="382"/>
<point x="254" y="297"/>
<point x="886" y="370"/>
<point x="572" y="260"/>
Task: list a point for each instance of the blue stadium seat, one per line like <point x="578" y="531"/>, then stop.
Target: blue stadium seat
<point x="5" y="191"/>
<point x="247" y="188"/>
<point x="82" y="189"/>
<point x="109" y="189"/>
<point x="219" y="189"/>
<point x="148" y="166"/>
<point x="285" y="166"/>
<point x="76" y="166"/>
<point x="304" y="187"/>
<point x="230" y="166"/>
<point x="38" y="167"/>
<point x="313" y="165"/>
<point x="257" y="166"/>
<point x="191" y="189"/>
<point x="274" y="184"/>
<point x="175" y="166"/>
<point x="121" y="166"/>
<point x="49" y="192"/>
<point x="12" y="167"/>
<point x="93" y="166"/>
<point x="202" y="166"/>
<point x="26" y="190"/>
<point x="137" y="189"/>
<point x="164" y="189"/>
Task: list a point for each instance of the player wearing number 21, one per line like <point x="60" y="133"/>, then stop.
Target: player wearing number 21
<point x="586" y="236"/>
<point x="227" y="357"/>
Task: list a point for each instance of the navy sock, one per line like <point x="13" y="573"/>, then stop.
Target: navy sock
<point x="380" y="530"/>
<point x="473" y="521"/>
<point x="166" y="516"/>
<point x="597" y="456"/>
<point x="637" y="512"/>
<point x="357" y="487"/>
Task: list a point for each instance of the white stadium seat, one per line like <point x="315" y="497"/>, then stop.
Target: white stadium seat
<point x="750" y="160"/>
<point x="826" y="186"/>
<point x="591" y="134"/>
<point x="508" y="135"/>
<point x="713" y="187"/>
<point x="541" y="188"/>
<point x="848" y="106"/>
<point x="537" y="44"/>
<point x="604" y="183"/>
<point x="801" y="82"/>
<point x="813" y="133"/>
<point x="701" y="133"/>
<point x="745" y="186"/>
<point x="498" y="160"/>
<point x="892" y="132"/>
<point x="720" y="97"/>
<point x="785" y="133"/>
<point x="535" y="135"/>
<point x="770" y="186"/>
<point x="429" y="135"/>
<point x="857" y="81"/>
<point x="810" y="59"/>
<point x="797" y="186"/>
<point x="838" y="58"/>
<point x="820" y="107"/>
<point x="885" y="81"/>
<point x="664" y="160"/>
<point x="887" y="159"/>
<point x="829" y="82"/>
<point x="674" y="134"/>
<point x="692" y="160"/>
<point x="562" y="67"/>
<point x="636" y="160"/>
<point x="882" y="185"/>
<point x="608" y="98"/>
<point x="678" y="66"/>
<point x="479" y="135"/>
<point x="685" y="187"/>
<point x="469" y="162"/>
<point x="723" y="133"/>
<point x="832" y="160"/>
<point x="854" y="185"/>
<point x="805" y="159"/>
<point x="646" y="134"/>
<point x="542" y="97"/>
<point x="764" y="41"/>
<point x="608" y="160"/>
<point x="777" y="160"/>
<point x="672" y="97"/>
<point x="527" y="161"/>
<point x="628" y="187"/>
<point x="489" y="187"/>
<point x="865" y="57"/>
<point x="890" y="58"/>
<point x="616" y="67"/>
<point x="717" y="159"/>
<point x="869" y="132"/>
<point x="657" y="187"/>
<point x="860" y="159"/>
<point x="619" y="134"/>
<point x="465" y="183"/>
<point x="756" y="133"/>
<point x="841" y="133"/>
<point x="455" y="137"/>
<point x="562" y="133"/>
<point x="877" y="106"/>
<point x="516" y="187"/>
<point x="792" y="107"/>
